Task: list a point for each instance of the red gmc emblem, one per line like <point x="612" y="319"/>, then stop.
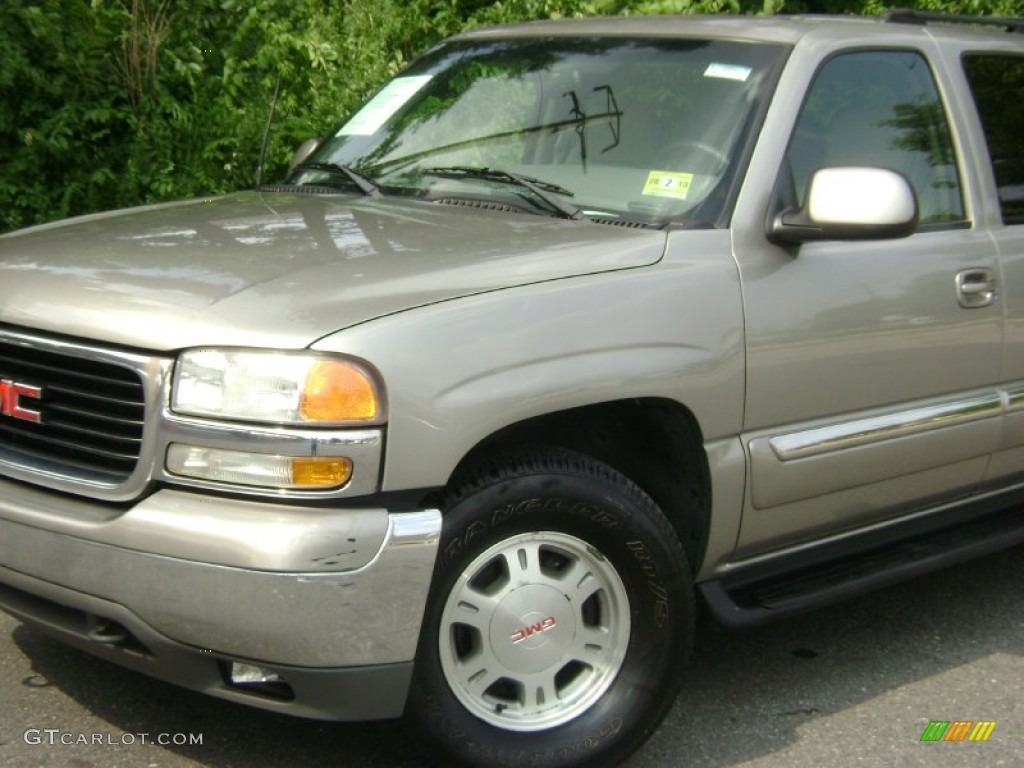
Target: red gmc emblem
<point x="12" y="394"/>
<point x="525" y="633"/>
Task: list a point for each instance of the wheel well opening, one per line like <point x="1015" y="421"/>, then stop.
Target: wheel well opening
<point x="655" y="443"/>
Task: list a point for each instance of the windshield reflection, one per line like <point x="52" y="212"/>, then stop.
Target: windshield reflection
<point x="645" y="129"/>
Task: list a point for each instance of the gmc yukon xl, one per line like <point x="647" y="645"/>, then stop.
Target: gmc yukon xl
<point x="571" y="328"/>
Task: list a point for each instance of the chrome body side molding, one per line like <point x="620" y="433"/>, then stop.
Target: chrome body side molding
<point x="875" y="429"/>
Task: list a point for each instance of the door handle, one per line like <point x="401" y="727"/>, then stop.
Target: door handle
<point x="975" y="288"/>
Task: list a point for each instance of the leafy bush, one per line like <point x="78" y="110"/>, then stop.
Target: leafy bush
<point x="112" y="103"/>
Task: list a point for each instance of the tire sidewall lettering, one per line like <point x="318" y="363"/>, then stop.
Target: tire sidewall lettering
<point x="653" y="581"/>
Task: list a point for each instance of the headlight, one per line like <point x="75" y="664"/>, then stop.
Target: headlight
<point x="275" y="387"/>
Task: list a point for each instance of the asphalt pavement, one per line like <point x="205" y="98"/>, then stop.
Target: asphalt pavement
<point x="856" y="684"/>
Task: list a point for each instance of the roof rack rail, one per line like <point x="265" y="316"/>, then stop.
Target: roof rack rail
<point x="912" y="16"/>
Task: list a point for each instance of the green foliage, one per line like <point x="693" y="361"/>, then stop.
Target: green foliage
<point x="110" y="103"/>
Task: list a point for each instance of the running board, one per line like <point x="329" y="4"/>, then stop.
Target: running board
<point x="803" y="582"/>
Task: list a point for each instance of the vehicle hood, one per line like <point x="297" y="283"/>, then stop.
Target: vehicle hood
<point x="282" y="270"/>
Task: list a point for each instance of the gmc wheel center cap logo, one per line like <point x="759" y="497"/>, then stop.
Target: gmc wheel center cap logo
<point x="537" y="628"/>
<point x="12" y="400"/>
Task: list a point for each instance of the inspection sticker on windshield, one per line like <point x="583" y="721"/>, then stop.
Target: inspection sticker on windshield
<point x="391" y="98"/>
<point x="728" y="72"/>
<point x="668" y="184"/>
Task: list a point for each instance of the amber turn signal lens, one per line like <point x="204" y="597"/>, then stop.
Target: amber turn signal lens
<point x="321" y="472"/>
<point x="338" y="391"/>
<point x="259" y="469"/>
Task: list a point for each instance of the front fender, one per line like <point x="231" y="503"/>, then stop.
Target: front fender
<point x="458" y="371"/>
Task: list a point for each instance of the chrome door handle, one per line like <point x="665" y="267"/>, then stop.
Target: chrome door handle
<point x="975" y="288"/>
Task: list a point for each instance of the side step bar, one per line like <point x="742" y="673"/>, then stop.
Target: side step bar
<point x="810" y="580"/>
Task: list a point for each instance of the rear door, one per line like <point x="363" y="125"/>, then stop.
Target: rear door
<point x="995" y="80"/>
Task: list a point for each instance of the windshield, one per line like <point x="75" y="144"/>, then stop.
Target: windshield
<point x="650" y="130"/>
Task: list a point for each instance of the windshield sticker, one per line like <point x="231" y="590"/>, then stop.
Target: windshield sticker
<point x="728" y="72"/>
<point x="668" y="184"/>
<point x="391" y="98"/>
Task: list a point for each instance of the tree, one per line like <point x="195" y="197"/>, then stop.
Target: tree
<point x="112" y="103"/>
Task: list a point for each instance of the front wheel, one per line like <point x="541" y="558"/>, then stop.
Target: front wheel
<point x="560" y="615"/>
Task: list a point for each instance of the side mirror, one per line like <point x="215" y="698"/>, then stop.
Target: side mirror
<point x="849" y="204"/>
<point x="306" y="148"/>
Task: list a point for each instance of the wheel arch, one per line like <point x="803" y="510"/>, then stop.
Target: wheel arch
<point x="655" y="442"/>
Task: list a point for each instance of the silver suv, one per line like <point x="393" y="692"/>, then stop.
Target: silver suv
<point x="571" y="326"/>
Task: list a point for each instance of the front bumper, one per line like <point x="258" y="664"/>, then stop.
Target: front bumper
<point x="182" y="586"/>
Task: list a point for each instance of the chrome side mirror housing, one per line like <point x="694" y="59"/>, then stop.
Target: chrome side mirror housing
<point x="849" y="203"/>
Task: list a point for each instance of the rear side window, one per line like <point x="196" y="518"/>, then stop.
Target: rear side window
<point x="880" y="109"/>
<point x="997" y="84"/>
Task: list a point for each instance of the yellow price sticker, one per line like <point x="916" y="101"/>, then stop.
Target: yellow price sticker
<point x="668" y="184"/>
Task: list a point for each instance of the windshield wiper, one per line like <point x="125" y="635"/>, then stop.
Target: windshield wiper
<point x="366" y="185"/>
<point x="544" y="190"/>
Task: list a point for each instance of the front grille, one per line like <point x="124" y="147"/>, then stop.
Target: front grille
<point x="91" y="414"/>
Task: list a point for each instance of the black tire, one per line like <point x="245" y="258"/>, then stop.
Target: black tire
<point x="552" y="513"/>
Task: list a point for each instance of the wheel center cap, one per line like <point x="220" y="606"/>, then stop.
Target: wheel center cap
<point x="532" y="629"/>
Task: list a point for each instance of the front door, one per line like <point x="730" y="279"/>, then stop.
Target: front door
<point x="872" y="366"/>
